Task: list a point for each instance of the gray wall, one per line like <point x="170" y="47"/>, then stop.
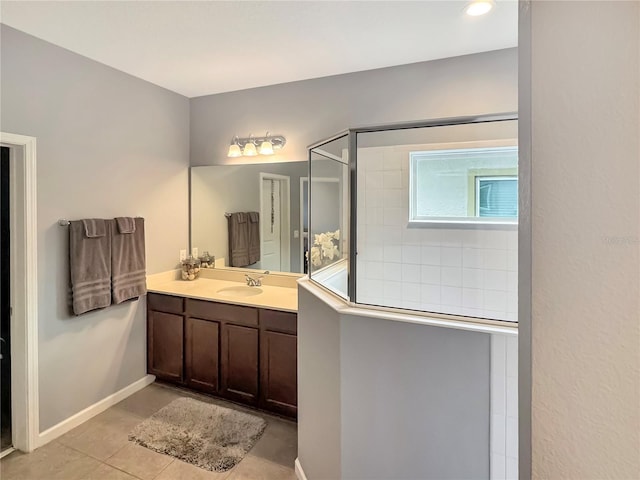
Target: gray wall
<point x="414" y="399"/>
<point x="309" y="110"/>
<point x="108" y="145"/>
<point x="582" y="325"/>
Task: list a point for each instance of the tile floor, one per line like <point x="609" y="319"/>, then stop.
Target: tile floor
<point x="99" y="449"/>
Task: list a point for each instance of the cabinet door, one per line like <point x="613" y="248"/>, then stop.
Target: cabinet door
<point x="239" y="362"/>
<point x="165" y="337"/>
<point x="201" y="354"/>
<point x="278" y="372"/>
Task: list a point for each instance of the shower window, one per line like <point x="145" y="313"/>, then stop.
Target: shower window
<point x="462" y="185"/>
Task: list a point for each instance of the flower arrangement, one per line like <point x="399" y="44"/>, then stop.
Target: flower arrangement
<point x="324" y="250"/>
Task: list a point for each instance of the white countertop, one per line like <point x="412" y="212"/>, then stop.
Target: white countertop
<point x="283" y="298"/>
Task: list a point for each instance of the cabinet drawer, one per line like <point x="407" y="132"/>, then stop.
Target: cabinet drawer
<point x="279" y="321"/>
<point x="165" y="303"/>
<point x="222" y="311"/>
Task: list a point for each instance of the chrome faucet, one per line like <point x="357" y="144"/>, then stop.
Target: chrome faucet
<point x="256" y="281"/>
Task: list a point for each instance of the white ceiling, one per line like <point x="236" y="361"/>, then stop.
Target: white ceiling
<point x="202" y="47"/>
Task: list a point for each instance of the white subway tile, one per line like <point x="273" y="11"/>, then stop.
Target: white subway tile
<point x="373" y="216"/>
<point x="511" y="469"/>
<point x="430" y="274"/>
<point x="471" y="238"/>
<point x="512" y="397"/>
<point x="472" y="278"/>
<point x="375" y="270"/>
<point x="495" y="259"/>
<point x="411" y="254"/>
<point x="497" y="434"/>
<point x="431" y="236"/>
<point x="411" y="236"/>
<point x="472" y="298"/>
<point x="451" y="276"/>
<point x="392" y="271"/>
<point x="375" y="234"/>
<point x="393" y="253"/>
<point x="373" y="288"/>
<point x="392" y="291"/>
<point x="512" y="240"/>
<point x="394" y="216"/>
<point x="411" y="292"/>
<point x="512" y="356"/>
<point x="497" y="467"/>
<point x="430" y="255"/>
<point x="371" y="252"/>
<point x="411" y="273"/>
<point x="373" y="180"/>
<point x="392" y="179"/>
<point x="451" y="256"/>
<point x="392" y="160"/>
<point x="451" y="309"/>
<point x="450" y="237"/>
<point x="374" y="195"/>
<point x="430" y="294"/>
<point x="512" y="260"/>
<point x="451" y="296"/>
<point x="512" y="302"/>
<point x="511" y="316"/>
<point x="373" y="161"/>
<point x="472" y="312"/>
<point x="495" y="300"/>
<point x="392" y="197"/>
<point x="493" y="239"/>
<point x="495" y="280"/>
<point x="512" y="282"/>
<point x="472" y="258"/>
<point x="511" y="442"/>
<point x="392" y="235"/>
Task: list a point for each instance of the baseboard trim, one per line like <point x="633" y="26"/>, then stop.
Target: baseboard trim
<point x="93" y="410"/>
<point x="299" y="472"/>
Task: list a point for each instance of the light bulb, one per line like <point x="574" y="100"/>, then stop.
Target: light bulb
<point x="266" y="148"/>
<point x="479" y="7"/>
<point x="234" y="150"/>
<point x="250" y="150"/>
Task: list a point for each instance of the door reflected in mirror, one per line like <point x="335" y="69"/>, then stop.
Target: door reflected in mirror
<point x="272" y="190"/>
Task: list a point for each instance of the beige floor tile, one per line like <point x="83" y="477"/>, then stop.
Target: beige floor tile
<point x="107" y="472"/>
<point x="139" y="461"/>
<point x="148" y="401"/>
<point x="254" y="468"/>
<point x="50" y="462"/>
<point x="180" y="470"/>
<point x="106" y="434"/>
<point x="279" y="443"/>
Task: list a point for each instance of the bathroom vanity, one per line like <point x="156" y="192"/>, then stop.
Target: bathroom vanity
<point x="242" y="349"/>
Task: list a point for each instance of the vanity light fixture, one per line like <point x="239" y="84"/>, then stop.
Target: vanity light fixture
<point x="248" y="147"/>
<point x="479" y="7"/>
<point x="234" y="148"/>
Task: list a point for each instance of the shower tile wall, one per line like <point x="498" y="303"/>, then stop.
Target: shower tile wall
<point x="471" y="272"/>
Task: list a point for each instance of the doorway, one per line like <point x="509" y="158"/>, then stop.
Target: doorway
<point x="275" y="244"/>
<point x="5" y="303"/>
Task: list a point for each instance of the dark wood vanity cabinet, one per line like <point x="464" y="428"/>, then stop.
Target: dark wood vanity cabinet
<point x="244" y="354"/>
<point x="165" y="337"/>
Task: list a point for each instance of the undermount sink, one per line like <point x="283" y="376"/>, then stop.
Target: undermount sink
<point x="239" y="291"/>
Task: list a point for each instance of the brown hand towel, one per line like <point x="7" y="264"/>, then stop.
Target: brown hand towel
<point x="238" y="240"/>
<point x="94" y="227"/>
<point x="90" y="264"/>
<point x="128" y="265"/>
<point x="254" y="237"/>
<point x="126" y="224"/>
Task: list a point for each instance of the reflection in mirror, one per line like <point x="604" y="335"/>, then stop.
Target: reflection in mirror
<point x="273" y="190"/>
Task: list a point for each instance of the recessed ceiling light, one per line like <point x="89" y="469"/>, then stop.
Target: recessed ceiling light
<point x="479" y="7"/>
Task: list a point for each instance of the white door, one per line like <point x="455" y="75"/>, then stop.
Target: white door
<point x="270" y="220"/>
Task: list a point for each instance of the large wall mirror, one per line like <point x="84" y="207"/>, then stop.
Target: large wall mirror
<point x="276" y="191"/>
